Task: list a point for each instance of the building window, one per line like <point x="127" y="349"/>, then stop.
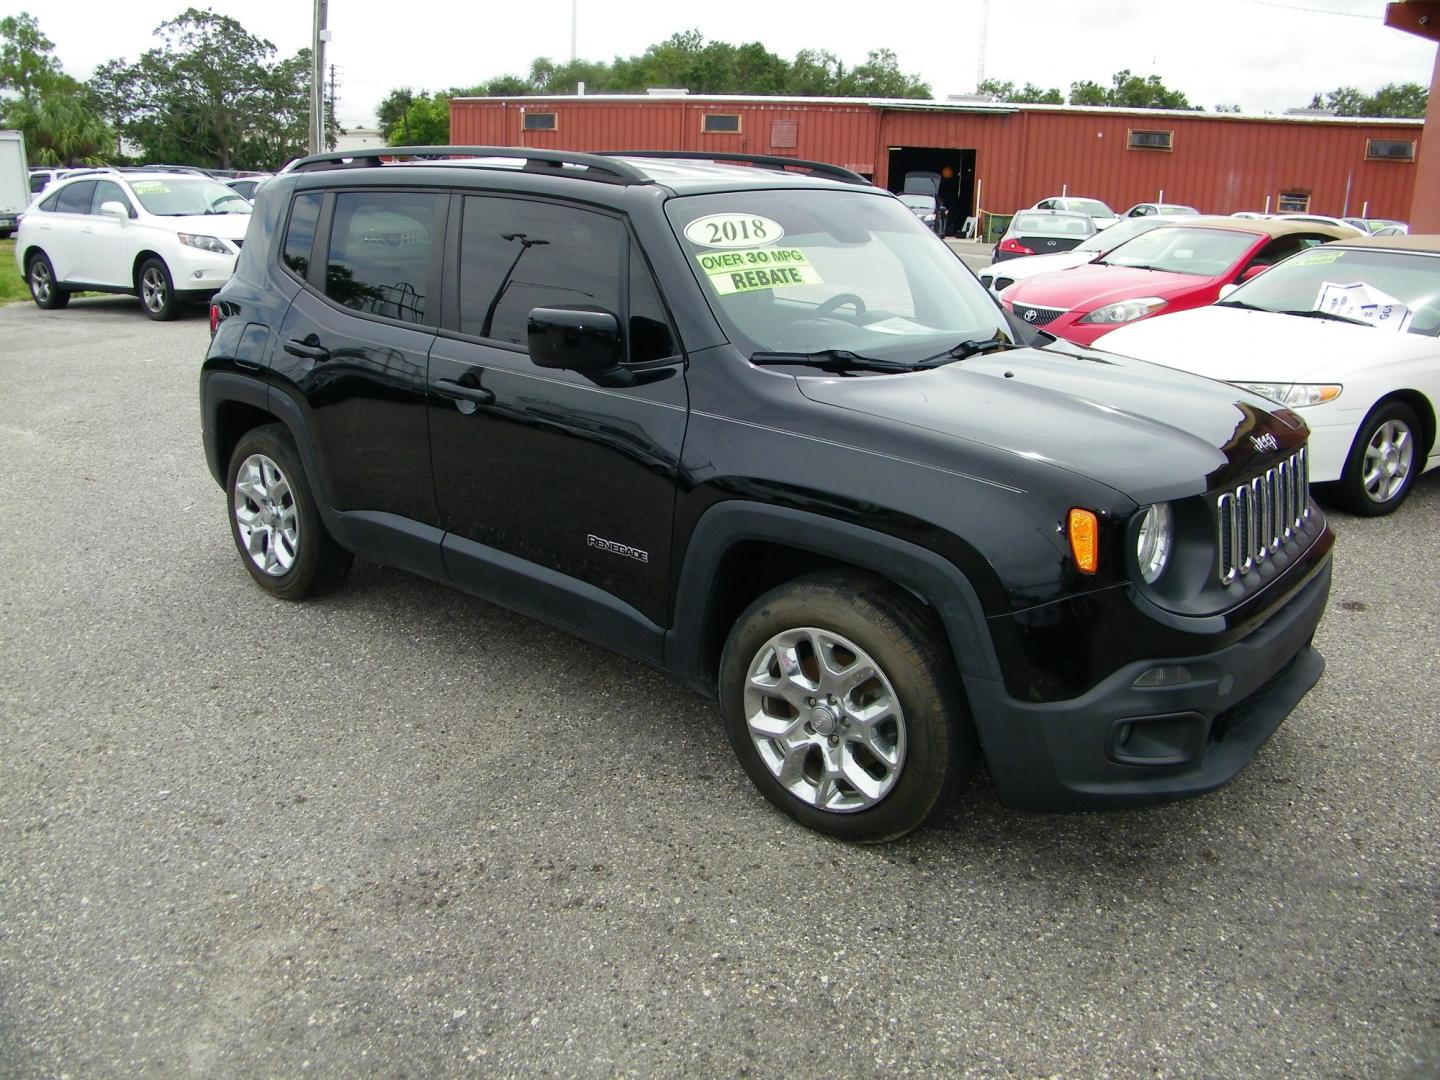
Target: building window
<point x="1152" y="140"/>
<point x="721" y="123"/>
<point x="1293" y="202"/>
<point x="539" y="121"/>
<point x="1389" y="150"/>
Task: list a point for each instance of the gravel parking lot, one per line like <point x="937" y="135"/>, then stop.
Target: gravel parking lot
<point x="401" y="832"/>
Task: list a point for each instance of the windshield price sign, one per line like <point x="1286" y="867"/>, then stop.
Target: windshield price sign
<point x="758" y="268"/>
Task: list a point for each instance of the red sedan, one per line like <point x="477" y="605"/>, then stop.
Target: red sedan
<point x="1171" y="268"/>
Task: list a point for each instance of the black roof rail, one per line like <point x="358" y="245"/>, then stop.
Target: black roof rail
<point x="196" y="170"/>
<point x="768" y="161"/>
<point x="599" y="168"/>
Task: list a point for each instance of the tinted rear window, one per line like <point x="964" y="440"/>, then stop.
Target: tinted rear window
<point x="1051" y="225"/>
<point x="75" y="198"/>
<point x="379" y="259"/>
<point x="300" y="234"/>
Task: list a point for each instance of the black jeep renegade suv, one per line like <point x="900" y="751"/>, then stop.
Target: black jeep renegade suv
<point x="757" y="426"/>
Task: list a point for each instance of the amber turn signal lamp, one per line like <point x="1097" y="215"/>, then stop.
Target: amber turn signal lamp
<point x="1084" y="530"/>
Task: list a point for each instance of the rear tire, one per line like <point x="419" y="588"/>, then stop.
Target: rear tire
<point x="1384" y="461"/>
<point x="845" y="708"/>
<point x="274" y="520"/>
<point x="44" y="290"/>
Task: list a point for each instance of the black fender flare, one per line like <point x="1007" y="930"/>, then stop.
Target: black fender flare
<point x="930" y="576"/>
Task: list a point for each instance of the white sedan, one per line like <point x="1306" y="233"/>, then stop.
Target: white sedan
<point x="1000" y="276"/>
<point x="1348" y="335"/>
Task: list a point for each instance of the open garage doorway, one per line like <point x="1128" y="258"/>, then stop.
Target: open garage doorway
<point x="955" y="173"/>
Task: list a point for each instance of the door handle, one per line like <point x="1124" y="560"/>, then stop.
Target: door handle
<point x="310" y="348"/>
<point x="460" y="392"/>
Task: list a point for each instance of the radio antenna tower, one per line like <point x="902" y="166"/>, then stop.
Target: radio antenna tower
<point x="984" y="25"/>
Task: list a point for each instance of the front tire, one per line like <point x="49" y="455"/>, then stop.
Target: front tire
<point x="157" y="291"/>
<point x="274" y="520"/>
<point x="44" y="289"/>
<point x="1383" y="461"/>
<point x="844" y="707"/>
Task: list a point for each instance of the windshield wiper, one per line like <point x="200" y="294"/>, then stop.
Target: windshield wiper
<point x="1312" y="314"/>
<point x="1240" y="304"/>
<point x="965" y="350"/>
<point x="828" y="359"/>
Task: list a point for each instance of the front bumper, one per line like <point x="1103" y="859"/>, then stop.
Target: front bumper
<point x="1120" y="745"/>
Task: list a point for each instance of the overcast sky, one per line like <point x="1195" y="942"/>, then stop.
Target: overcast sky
<point x="1264" y="55"/>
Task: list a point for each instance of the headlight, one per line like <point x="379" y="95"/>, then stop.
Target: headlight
<point x="205" y="243"/>
<point x="1295" y="395"/>
<point x="1125" y="311"/>
<point x="1152" y="547"/>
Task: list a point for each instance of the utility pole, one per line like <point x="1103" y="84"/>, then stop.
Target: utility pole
<point x="317" y="78"/>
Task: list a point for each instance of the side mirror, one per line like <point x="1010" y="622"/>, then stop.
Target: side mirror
<point x="1226" y="290"/>
<point x="115" y="209"/>
<point x="1254" y="271"/>
<point x="587" y="342"/>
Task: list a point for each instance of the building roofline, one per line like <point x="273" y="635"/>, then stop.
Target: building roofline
<point x="1000" y="108"/>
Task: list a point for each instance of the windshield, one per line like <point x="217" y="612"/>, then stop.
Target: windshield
<point x="184" y="196"/>
<point x="805" y="270"/>
<point x="919" y="202"/>
<point x="1356" y="283"/>
<point x="1182" y="250"/>
<point x="1118" y="233"/>
<point x="1089" y="207"/>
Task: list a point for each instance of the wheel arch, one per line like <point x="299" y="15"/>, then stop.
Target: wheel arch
<point x="1423" y="407"/>
<point x="740" y="550"/>
<point x="140" y="260"/>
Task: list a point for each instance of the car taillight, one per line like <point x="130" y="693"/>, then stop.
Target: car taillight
<point x="215" y="318"/>
<point x="1014" y="247"/>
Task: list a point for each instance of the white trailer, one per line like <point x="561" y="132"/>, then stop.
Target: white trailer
<point x="14" y="181"/>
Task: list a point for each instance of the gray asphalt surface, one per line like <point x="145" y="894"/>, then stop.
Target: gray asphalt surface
<point x="400" y="832"/>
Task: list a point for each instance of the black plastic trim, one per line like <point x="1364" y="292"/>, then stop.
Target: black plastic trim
<point x="931" y="577"/>
<point x="552" y="597"/>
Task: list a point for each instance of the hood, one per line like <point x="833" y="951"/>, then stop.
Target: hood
<point x="1030" y="265"/>
<point x="1148" y="432"/>
<point x="225" y="226"/>
<point x="1260" y="346"/>
<point x="1088" y="287"/>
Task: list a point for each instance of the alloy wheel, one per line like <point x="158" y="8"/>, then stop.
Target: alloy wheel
<point x="265" y="515"/>
<point x="154" y="290"/>
<point x="1389" y="455"/>
<point x="40" y="282"/>
<point x="825" y="720"/>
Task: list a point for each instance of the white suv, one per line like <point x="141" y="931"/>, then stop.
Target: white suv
<point x="163" y="236"/>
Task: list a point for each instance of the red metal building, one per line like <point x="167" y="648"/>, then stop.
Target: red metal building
<point x="1010" y="156"/>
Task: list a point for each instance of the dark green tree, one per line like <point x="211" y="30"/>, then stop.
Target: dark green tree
<point x="1006" y="91"/>
<point x="211" y="94"/>
<point x="1395" y="99"/>
<point x="60" y="118"/>
<point x="1129" y="91"/>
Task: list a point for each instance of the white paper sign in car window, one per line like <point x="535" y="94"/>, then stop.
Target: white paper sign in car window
<point x="733" y="231"/>
<point x="1357" y="300"/>
<point x="758" y="268"/>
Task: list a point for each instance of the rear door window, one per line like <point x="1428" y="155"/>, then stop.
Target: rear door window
<point x="380" y="253"/>
<point x="75" y="198"/>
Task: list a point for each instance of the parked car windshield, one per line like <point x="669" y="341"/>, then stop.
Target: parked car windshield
<point x="807" y="270"/>
<point x="1325" y="279"/>
<point x="184" y="196"/>
<point x="1090" y="207"/>
<point x="1118" y="233"/>
<point x="919" y="202"/>
<point x="1205" y="252"/>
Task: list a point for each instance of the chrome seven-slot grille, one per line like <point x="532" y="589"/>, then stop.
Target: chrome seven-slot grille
<point x="1259" y="516"/>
